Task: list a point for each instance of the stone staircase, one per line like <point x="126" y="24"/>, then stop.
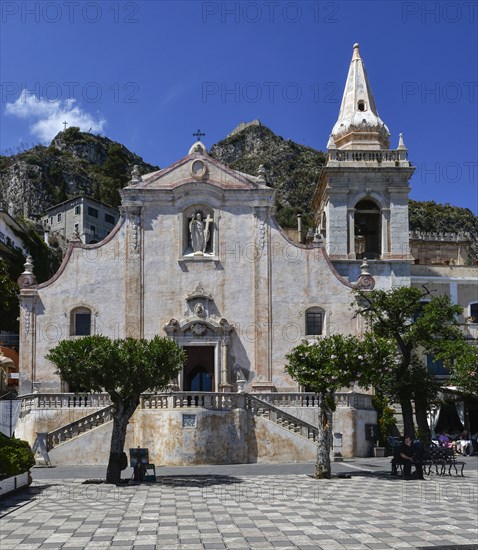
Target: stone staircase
<point x="45" y="442"/>
<point x="282" y="423"/>
<point x="78" y="427"/>
<point x="259" y="407"/>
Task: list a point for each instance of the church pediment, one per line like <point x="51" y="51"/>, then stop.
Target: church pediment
<point x="197" y="167"/>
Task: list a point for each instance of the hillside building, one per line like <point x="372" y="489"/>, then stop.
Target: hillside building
<point x="82" y="217"/>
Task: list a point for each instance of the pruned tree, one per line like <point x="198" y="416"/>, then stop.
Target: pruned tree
<point x="329" y="364"/>
<point x="122" y="368"/>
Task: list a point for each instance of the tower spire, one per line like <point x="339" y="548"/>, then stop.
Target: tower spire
<point x="359" y="125"/>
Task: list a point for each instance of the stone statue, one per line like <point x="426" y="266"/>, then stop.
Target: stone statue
<point x="199" y="233"/>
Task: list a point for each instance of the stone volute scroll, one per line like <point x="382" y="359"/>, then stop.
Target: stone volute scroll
<point x="365" y="281"/>
<point x="27" y="279"/>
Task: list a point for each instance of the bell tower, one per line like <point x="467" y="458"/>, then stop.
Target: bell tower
<point x="361" y="201"/>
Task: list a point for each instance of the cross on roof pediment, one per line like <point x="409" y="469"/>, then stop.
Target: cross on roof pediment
<point x="197" y="167"/>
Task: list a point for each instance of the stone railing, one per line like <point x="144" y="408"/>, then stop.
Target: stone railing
<point x="73" y="429"/>
<point x="289" y="399"/>
<point x="354" y="400"/>
<point x="183" y="400"/>
<point x="445" y="236"/>
<point x="259" y="407"/>
<point x="179" y="400"/>
<point x="385" y="155"/>
<point x="342" y="399"/>
<point x="64" y="401"/>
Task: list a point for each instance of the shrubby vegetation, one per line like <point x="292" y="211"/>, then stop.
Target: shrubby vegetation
<point x="16" y="456"/>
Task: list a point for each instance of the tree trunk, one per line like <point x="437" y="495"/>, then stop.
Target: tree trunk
<point x="407" y="413"/>
<point x="421" y="409"/>
<point x="120" y="422"/>
<point x="322" y="466"/>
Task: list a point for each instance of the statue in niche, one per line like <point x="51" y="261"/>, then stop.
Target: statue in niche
<point x="200" y="233"/>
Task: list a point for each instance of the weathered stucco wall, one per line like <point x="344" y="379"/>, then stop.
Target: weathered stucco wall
<point x="47" y="420"/>
<point x="218" y="437"/>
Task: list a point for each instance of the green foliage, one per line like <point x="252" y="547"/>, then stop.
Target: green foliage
<point x="123" y="368"/>
<point x="16" y="456"/>
<point x="338" y="361"/>
<point x="432" y="217"/>
<point x="415" y="327"/>
<point x="45" y="260"/>
<point x="113" y="174"/>
<point x="461" y="359"/>
<point x="386" y="418"/>
<point x="9" y="305"/>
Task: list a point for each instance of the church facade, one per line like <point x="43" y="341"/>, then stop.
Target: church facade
<point x="198" y="256"/>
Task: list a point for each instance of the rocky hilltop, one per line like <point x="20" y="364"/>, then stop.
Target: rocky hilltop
<point x="75" y="163"/>
<point x="291" y="168"/>
<point x="82" y="163"/>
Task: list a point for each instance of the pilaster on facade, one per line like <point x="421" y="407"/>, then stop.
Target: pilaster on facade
<point x="134" y="285"/>
<point x="28" y="336"/>
<point x="262" y="298"/>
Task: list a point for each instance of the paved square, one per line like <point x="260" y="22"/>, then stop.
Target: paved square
<point x="235" y="511"/>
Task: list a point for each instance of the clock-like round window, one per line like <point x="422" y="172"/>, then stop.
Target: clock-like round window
<point x="197" y="168"/>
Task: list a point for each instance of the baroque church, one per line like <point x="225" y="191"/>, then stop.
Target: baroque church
<point x="198" y="256"/>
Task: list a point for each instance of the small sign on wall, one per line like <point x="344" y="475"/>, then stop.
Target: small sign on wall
<point x="189" y="420"/>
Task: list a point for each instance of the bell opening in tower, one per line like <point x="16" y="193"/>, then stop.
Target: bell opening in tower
<point x="367" y="230"/>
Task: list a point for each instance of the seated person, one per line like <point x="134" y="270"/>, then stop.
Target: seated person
<point x="464" y="445"/>
<point x="408" y="458"/>
<point x="444" y="441"/>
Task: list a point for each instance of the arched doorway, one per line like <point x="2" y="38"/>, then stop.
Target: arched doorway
<point x="199" y="369"/>
<point x="367" y="230"/>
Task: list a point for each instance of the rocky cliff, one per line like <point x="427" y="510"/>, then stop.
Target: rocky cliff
<point x="291" y="168"/>
<point x="81" y="163"/>
<point x="75" y="163"/>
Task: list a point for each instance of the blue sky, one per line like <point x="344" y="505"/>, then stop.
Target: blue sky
<point x="148" y="74"/>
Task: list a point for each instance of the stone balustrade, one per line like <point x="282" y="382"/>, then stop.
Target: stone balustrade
<point x="299" y="399"/>
<point x="204" y="400"/>
<point x="257" y="406"/>
<point x="179" y="400"/>
<point x="305" y="399"/>
<point x="385" y="155"/>
<point x="78" y="427"/>
<point x="64" y="401"/>
<point x="445" y="236"/>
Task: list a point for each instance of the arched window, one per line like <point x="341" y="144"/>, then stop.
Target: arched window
<point x="367" y="230"/>
<point x="80" y="322"/>
<point x="314" y="321"/>
<point x="361" y="105"/>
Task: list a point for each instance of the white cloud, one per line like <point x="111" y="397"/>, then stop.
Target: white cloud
<point x="47" y="116"/>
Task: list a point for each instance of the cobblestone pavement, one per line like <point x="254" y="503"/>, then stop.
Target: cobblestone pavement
<point x="269" y="508"/>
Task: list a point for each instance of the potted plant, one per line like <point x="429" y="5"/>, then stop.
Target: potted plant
<point x="16" y="459"/>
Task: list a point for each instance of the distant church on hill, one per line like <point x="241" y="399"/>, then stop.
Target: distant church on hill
<point x="197" y="255"/>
